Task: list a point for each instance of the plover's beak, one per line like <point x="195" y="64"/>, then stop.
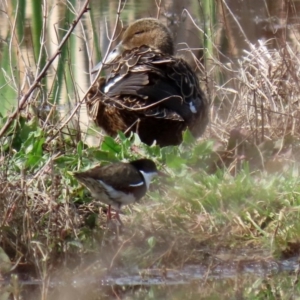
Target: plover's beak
<point x="110" y="57"/>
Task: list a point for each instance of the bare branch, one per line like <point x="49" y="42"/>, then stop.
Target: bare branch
<point x="120" y="8"/>
<point x="24" y="99"/>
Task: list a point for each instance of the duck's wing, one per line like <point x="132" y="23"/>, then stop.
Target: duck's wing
<point x="148" y="83"/>
<point x="154" y="84"/>
<point x="179" y="87"/>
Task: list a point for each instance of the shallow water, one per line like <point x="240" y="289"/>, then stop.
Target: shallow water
<point x="191" y="280"/>
<point x="190" y="273"/>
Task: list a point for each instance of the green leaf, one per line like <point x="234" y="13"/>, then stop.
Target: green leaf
<point x="100" y="155"/>
<point x="79" y="148"/>
<point x="66" y="160"/>
<point x="110" y="145"/>
<point x="188" y="138"/>
<point x="151" y="241"/>
<point x="5" y="263"/>
<point x="136" y="139"/>
<point x="76" y="244"/>
<point x="174" y="161"/>
<point x="122" y="136"/>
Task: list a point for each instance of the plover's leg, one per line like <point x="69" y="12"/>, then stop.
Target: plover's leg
<point x="108" y="214"/>
<point x="118" y="217"/>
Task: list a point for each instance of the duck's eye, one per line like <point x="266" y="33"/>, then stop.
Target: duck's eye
<point x="139" y="32"/>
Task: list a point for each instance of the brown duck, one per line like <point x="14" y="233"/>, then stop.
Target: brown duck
<point x="149" y="90"/>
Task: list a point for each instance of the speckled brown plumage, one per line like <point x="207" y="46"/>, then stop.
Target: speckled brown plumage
<point x="148" y="89"/>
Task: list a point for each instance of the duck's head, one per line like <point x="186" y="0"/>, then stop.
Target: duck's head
<point x="148" y="32"/>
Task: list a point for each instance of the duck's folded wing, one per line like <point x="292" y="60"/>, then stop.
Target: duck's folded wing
<point x="159" y="87"/>
<point x="144" y="91"/>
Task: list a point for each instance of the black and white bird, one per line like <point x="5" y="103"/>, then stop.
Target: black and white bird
<point x="119" y="183"/>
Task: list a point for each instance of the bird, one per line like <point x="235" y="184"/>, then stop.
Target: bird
<point x="148" y="90"/>
<point x="120" y="183"/>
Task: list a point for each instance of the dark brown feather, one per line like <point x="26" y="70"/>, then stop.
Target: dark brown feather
<point x="152" y="93"/>
<point x="121" y="176"/>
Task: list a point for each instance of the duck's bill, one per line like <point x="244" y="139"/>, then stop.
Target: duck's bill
<point x="109" y="59"/>
<point x="97" y="67"/>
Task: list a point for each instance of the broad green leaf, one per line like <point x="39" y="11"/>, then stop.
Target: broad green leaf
<point x="110" y="145"/>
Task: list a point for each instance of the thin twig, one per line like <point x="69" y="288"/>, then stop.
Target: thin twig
<point x="120" y="8"/>
<point x="119" y="250"/>
<point x="158" y="5"/>
<point x="42" y="74"/>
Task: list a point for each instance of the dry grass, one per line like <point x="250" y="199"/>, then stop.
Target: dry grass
<point x="262" y="97"/>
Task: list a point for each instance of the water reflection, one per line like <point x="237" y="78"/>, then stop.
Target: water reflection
<point x="191" y="281"/>
<point x="249" y="21"/>
<point x="234" y="24"/>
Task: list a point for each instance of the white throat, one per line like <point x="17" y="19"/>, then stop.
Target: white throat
<point x="148" y="177"/>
